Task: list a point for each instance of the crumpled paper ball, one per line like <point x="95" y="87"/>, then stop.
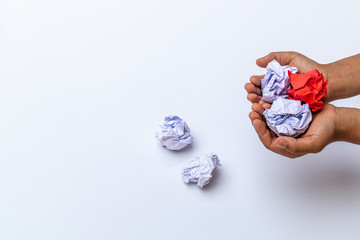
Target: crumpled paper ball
<point x="174" y="134"/>
<point x="200" y="168"/>
<point x="276" y="81"/>
<point x="288" y="117"/>
<point x="309" y="87"/>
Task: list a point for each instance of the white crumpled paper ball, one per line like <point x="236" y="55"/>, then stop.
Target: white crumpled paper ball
<point x="174" y="134"/>
<point x="276" y="81"/>
<point x="200" y="168"/>
<point x="288" y="117"/>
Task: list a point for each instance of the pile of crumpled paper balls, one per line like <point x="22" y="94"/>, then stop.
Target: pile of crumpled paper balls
<point x="175" y="135"/>
<point x="293" y="97"/>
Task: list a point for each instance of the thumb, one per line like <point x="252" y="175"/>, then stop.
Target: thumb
<point x="284" y="58"/>
<point x="299" y="145"/>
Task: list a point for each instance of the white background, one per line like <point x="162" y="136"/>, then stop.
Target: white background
<point x="84" y="85"/>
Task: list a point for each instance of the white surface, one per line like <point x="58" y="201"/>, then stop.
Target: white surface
<point x="84" y="85"/>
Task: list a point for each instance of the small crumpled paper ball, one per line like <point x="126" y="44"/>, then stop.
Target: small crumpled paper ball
<point x="288" y="117"/>
<point x="200" y="168"/>
<point x="276" y="81"/>
<point x="174" y="134"/>
<point x="309" y="87"/>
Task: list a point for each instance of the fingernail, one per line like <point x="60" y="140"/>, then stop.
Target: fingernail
<point x="281" y="144"/>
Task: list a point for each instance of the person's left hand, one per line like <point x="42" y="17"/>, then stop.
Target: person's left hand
<point x="321" y="132"/>
<point x="293" y="59"/>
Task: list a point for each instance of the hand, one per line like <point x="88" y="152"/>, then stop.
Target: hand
<point x="322" y="131"/>
<point x="293" y="59"/>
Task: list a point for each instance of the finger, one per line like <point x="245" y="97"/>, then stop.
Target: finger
<point x="284" y="58"/>
<point x="256" y="80"/>
<point x="256" y="107"/>
<point x="264" y="104"/>
<point x="254" y="115"/>
<point x="253" y="98"/>
<point x="298" y="145"/>
<point x="263" y="132"/>
<point x="259" y="109"/>
<point x="268" y="137"/>
<point x="251" y="88"/>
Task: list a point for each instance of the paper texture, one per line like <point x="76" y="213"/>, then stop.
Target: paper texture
<point x="309" y="87"/>
<point x="276" y="81"/>
<point x="288" y="117"/>
<point x="200" y="168"/>
<point x="174" y="134"/>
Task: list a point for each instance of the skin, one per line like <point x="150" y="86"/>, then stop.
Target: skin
<point x="328" y="125"/>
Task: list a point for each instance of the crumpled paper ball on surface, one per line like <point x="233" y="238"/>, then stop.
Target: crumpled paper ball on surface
<point x="309" y="88"/>
<point x="288" y="117"/>
<point x="200" y="168"/>
<point x="276" y="81"/>
<point x="174" y="134"/>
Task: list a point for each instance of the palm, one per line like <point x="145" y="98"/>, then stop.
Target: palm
<point x="322" y="126"/>
<point x="319" y="134"/>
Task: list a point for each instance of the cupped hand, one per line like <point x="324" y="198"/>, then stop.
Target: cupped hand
<point x="321" y="132"/>
<point x="293" y="59"/>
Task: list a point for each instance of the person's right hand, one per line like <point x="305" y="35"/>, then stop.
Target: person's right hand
<point x="292" y="59"/>
<point x="323" y="130"/>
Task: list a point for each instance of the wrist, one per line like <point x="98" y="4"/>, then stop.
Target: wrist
<point x="347" y="125"/>
<point x="340" y="128"/>
<point x="325" y="69"/>
<point x="343" y="77"/>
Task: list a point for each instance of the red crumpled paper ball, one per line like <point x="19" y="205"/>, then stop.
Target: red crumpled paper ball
<point x="308" y="87"/>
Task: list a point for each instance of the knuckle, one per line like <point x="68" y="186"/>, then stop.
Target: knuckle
<point x="254" y="107"/>
<point x="251" y="115"/>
